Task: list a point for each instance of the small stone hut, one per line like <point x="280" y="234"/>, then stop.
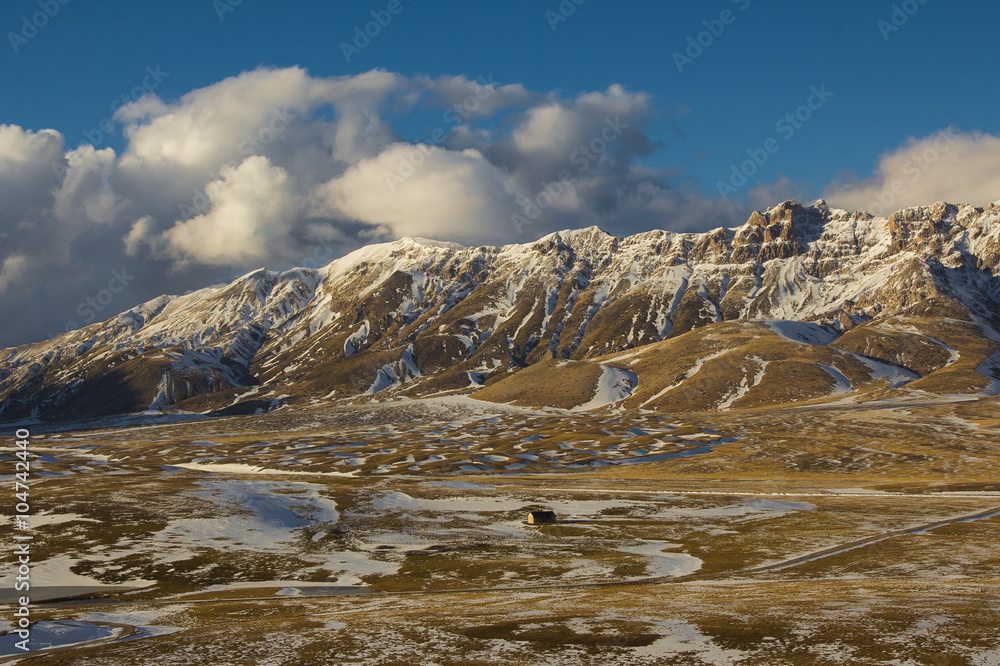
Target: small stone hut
<point x="541" y="517"/>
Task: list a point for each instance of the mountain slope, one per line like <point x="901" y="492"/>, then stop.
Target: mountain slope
<point x="747" y="364"/>
<point x="889" y="299"/>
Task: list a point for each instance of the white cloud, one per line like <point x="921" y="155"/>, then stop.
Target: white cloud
<point x="549" y="127"/>
<point x="141" y="233"/>
<point x="561" y="127"/>
<point x="207" y="127"/>
<point x="440" y="194"/>
<point x="12" y="270"/>
<point x="30" y="170"/>
<point x="241" y="115"/>
<point x="945" y="166"/>
<point x="86" y="194"/>
<point x="252" y="208"/>
<point x="19" y="146"/>
<point x="595" y="134"/>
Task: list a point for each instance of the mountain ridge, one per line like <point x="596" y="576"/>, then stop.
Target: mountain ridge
<point x="417" y="316"/>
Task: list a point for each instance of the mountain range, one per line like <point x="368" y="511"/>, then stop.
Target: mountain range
<point x="799" y="304"/>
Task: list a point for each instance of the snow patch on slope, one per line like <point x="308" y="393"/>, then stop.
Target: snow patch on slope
<point x="843" y="383"/>
<point x="806" y="333"/>
<point x="395" y="374"/>
<point x="357" y="339"/>
<point x="614" y="385"/>
<point x="894" y="375"/>
<point x="746" y="384"/>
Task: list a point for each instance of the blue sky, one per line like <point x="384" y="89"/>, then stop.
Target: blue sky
<point x="933" y="72"/>
<point x="159" y="147"/>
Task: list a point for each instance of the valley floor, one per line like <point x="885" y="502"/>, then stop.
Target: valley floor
<point x="395" y="533"/>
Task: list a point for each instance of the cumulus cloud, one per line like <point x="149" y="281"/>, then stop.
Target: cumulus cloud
<point x="946" y="166"/>
<point x="19" y="147"/>
<point x="595" y="133"/>
<point x="252" y="208"/>
<point x="30" y="166"/>
<point x="442" y="194"/>
<point x="86" y="194"/>
<point x="232" y="118"/>
<point x="561" y="126"/>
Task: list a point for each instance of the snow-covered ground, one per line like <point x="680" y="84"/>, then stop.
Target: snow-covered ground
<point x="614" y="385"/>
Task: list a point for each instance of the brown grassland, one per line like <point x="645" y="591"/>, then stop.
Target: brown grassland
<point x="810" y="534"/>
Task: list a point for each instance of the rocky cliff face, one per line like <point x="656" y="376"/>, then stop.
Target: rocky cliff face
<point x="418" y="317"/>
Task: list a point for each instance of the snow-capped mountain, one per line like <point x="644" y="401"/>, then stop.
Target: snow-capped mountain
<point x="908" y="297"/>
